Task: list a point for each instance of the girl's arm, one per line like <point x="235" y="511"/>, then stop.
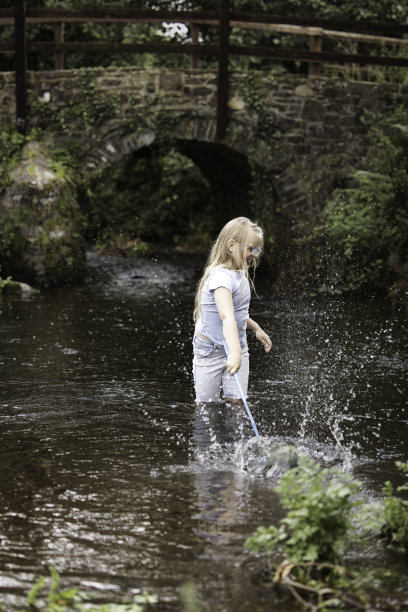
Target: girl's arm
<point x="225" y="307"/>
<point x="260" y="334"/>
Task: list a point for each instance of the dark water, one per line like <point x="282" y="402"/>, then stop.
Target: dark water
<point x="103" y="472"/>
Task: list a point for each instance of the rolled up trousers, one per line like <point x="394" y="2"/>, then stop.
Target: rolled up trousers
<point x="210" y="372"/>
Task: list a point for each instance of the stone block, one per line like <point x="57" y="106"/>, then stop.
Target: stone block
<point x="312" y="110"/>
<point x="304" y="91"/>
<point x="236" y="103"/>
<point x="171" y="81"/>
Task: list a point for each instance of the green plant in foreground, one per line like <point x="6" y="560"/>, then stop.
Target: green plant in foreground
<point x="395" y="526"/>
<point x="320" y="522"/>
<point x="319" y="503"/>
<point x="72" y="600"/>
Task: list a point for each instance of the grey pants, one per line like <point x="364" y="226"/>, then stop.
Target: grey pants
<point x="210" y="372"/>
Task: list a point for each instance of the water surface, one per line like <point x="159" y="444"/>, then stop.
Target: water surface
<point x="102" y="471"/>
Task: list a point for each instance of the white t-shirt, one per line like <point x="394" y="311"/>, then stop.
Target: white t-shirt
<point x="210" y="324"/>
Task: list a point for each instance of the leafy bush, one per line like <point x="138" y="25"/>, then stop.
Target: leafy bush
<point x="362" y="244"/>
<point x="71" y="600"/>
<point x="163" y="197"/>
<point x="395" y="527"/>
<point x="364" y="234"/>
<point x="319" y="503"/>
<point x="321" y="521"/>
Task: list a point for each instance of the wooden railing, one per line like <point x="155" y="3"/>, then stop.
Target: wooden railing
<point x="225" y="19"/>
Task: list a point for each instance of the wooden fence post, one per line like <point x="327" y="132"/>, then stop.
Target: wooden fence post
<point x="59" y="38"/>
<point x="195" y="35"/>
<point x="21" y="64"/>
<point x="223" y="72"/>
<point x="315" y="45"/>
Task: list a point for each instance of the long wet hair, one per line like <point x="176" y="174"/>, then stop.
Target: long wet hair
<point x="220" y="256"/>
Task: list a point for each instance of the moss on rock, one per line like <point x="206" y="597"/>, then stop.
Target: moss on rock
<point x="40" y="230"/>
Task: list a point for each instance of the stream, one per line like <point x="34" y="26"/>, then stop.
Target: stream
<point x="104" y="472"/>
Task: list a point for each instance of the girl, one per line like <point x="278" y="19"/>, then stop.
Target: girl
<point x="221" y="312"/>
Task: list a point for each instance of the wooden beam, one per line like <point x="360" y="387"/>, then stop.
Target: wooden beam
<point x="223" y="72"/>
<point x="268" y="27"/>
<point x="310" y="31"/>
<point x="50" y="15"/>
<point x="305" y="56"/>
<point x="315" y="45"/>
<point x="309" y="56"/>
<point x="252" y="20"/>
<point x="333" y="24"/>
<point x="195" y="35"/>
<point x="114" y="47"/>
<point x="59" y="38"/>
<point x="21" y="64"/>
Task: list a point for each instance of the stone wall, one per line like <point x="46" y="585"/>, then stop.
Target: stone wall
<point x="310" y="132"/>
<point x="315" y="134"/>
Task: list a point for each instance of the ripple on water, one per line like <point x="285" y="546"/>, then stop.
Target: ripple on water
<point x="106" y="469"/>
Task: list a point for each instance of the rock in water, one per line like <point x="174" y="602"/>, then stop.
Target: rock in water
<point x="41" y="221"/>
<point x="269" y="457"/>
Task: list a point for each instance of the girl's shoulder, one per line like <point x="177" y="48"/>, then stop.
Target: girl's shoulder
<point x="220" y="270"/>
<point x="233" y="278"/>
<point x="228" y="270"/>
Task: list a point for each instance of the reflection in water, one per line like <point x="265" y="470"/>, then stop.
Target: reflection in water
<point x="109" y="471"/>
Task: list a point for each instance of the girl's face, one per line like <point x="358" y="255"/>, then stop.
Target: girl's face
<point x="252" y="249"/>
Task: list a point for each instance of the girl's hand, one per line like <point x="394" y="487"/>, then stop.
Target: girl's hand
<point x="265" y="339"/>
<point x="233" y="363"/>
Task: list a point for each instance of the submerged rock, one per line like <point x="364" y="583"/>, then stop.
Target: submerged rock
<point x="269" y="457"/>
<point x="16" y="288"/>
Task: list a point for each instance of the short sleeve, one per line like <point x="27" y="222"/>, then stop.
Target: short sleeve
<point x="220" y="278"/>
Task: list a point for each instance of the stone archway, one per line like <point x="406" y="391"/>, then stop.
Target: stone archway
<point x="225" y="164"/>
<point x="228" y="164"/>
<point x="227" y="173"/>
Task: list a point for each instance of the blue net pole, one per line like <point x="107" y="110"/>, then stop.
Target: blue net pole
<point x="254" y="427"/>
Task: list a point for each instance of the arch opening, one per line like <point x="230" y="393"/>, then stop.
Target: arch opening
<point x="156" y="195"/>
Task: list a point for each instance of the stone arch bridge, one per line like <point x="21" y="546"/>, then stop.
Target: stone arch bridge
<point x="309" y="133"/>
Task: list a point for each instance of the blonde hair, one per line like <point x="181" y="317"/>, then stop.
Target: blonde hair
<point x="220" y="256"/>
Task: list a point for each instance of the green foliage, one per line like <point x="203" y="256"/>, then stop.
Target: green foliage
<point x="362" y="244"/>
<point x="189" y="597"/>
<point x="360" y="234"/>
<point x="323" y="517"/>
<point x="395" y="527"/>
<point x="318" y="522"/>
<point x="11" y="143"/>
<point x="98" y="107"/>
<point x="72" y="600"/>
<point x="374" y="10"/>
<point x="4" y="282"/>
<point x="156" y="198"/>
<point x="97" y="32"/>
<point x="120" y="245"/>
<point x="382" y="10"/>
